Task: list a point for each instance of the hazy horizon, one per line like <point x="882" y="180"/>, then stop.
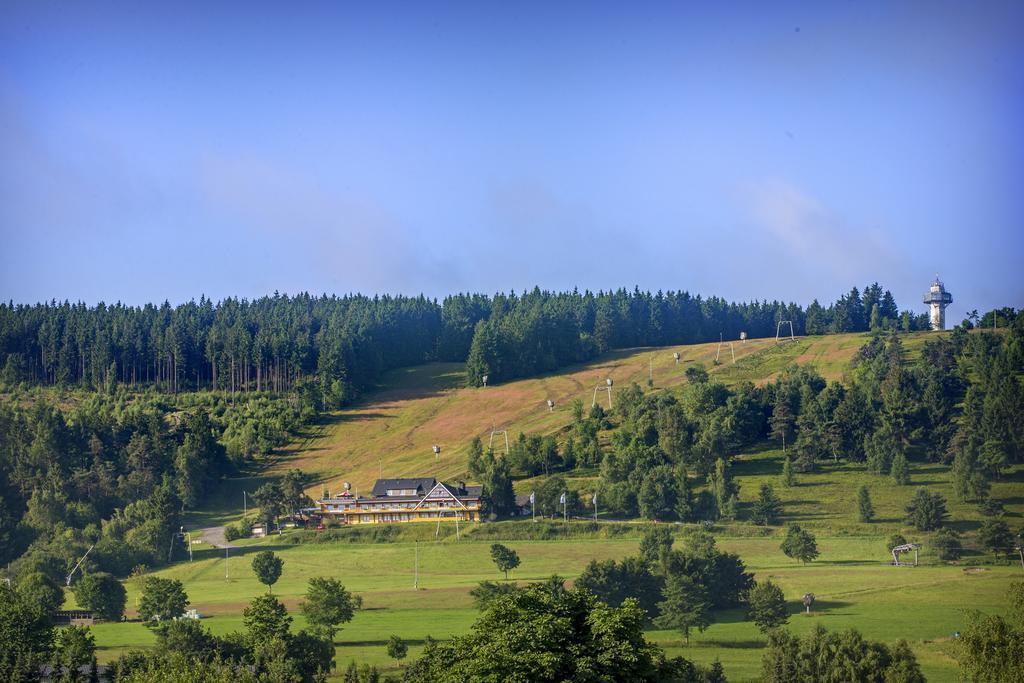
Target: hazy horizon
<point x="753" y="152"/>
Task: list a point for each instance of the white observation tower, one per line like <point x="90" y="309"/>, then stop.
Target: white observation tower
<point x="938" y="298"/>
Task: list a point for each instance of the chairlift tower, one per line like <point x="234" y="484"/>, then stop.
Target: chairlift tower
<point x="905" y="548"/>
<point x="937" y="298"/>
<point x="484" y="378"/>
<point x="607" y="386"/>
<point x="494" y="432"/>
<point x="778" y="331"/>
<point x="437" y="452"/>
<point x="551" y="406"/>
<point x="676" y="356"/>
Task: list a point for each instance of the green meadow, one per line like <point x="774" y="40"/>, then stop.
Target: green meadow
<point x="853" y="582"/>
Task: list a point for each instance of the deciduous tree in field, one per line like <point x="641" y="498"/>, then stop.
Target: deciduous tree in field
<point x="799" y="544"/>
<point x="504" y="558"/>
<point x="162" y="599"/>
<point x="265" y="619"/>
<point x="397" y="649"/>
<point x="767" y="606"/>
<point x="327" y="605"/>
<point x="39" y="589"/>
<point x="267" y="567"/>
<point x="101" y="593"/>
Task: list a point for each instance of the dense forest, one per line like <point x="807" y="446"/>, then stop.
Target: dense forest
<point x="336" y="347"/>
<point x="115" y="473"/>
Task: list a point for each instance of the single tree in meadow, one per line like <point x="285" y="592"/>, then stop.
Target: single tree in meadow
<point x="504" y="558"/>
<point x="101" y="593"/>
<point x="788" y="473"/>
<point x="947" y="543"/>
<point x="268" y="568"/>
<point x="162" y="599"/>
<point x="865" y="510"/>
<point x="327" y="605"/>
<point x="926" y="511"/>
<point x="767" y="606"/>
<point x="899" y="470"/>
<point x="995" y="535"/>
<point x="397" y="649"/>
<point x="799" y="544"/>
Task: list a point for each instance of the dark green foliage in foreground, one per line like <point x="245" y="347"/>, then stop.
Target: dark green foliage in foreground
<point x="266" y="652"/>
<point x="489" y="591"/>
<point x="545" y="634"/>
<point x="990" y="648"/>
<point x="828" y="656"/>
<point x="26" y="637"/>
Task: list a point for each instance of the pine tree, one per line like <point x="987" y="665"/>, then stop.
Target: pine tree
<point x="767" y="507"/>
<point x="899" y="470"/>
<point x="788" y="475"/>
<point x="685" y="606"/>
<point x="865" y="510"/>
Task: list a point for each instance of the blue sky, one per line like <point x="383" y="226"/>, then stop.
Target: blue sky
<point x="751" y="150"/>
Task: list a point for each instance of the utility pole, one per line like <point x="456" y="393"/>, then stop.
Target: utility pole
<point x="416" y="578"/>
<point x="226" y="549"/>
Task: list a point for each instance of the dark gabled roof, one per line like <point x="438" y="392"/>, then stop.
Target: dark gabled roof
<point x="421" y="484"/>
<point x="473" y="491"/>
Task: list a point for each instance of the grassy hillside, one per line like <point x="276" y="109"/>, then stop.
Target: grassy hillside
<point x="392" y="431"/>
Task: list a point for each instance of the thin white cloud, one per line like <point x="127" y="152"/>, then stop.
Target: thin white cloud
<point x="801" y="226"/>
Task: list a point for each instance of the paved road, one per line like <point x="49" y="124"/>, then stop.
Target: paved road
<point x="214" y="535"/>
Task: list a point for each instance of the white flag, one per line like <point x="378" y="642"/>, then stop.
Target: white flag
<point x="533" y="498"/>
<point x="562" y="499"/>
<point x="595" y="498"/>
